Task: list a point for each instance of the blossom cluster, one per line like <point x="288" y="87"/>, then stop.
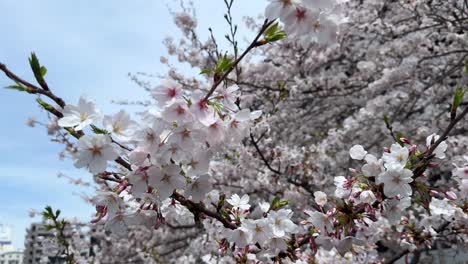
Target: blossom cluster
<point x="315" y="101"/>
<point x="308" y="20"/>
<point x="170" y="149"/>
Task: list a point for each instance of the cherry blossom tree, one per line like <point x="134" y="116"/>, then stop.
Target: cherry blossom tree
<point x="338" y="134"/>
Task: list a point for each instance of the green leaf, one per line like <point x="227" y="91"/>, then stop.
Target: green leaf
<point x="38" y="70"/>
<point x="35" y="66"/>
<point x="272" y="29"/>
<point x="274" y="33"/>
<point x="275" y="201"/>
<point x="223" y="64"/>
<point x="17" y="87"/>
<point x="44" y="105"/>
<point x="386" y="120"/>
<point x="466" y="68"/>
<point x="284" y="92"/>
<point x="458" y="98"/>
<point x="206" y="71"/>
<point x="43" y="71"/>
<point x="98" y="130"/>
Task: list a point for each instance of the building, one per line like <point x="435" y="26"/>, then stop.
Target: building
<point x="40" y="245"/>
<point x="11" y="257"/>
<point x="34" y="248"/>
<point x="8" y="253"/>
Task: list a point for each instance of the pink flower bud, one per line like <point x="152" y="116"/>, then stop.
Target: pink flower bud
<point x="405" y="140"/>
<point x="451" y="195"/>
<point x="433" y="193"/>
<point x="386" y="150"/>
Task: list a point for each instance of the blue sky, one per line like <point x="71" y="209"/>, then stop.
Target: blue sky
<point x="88" y="48"/>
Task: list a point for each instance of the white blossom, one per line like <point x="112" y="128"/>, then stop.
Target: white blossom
<point x="79" y="116"/>
<point x="241" y="203"/>
<point x="94" y="152"/>
<point x="397" y="157"/>
<point x="396" y="182"/>
<point x="357" y="152"/>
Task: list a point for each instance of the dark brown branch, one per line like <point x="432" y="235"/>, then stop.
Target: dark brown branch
<point x="198" y="208"/>
<point x="265" y="161"/>
<point x="31" y="87"/>
<point x="421" y="167"/>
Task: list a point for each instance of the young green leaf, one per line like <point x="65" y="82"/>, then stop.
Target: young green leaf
<point x="98" y="130"/>
<point x="17" y="87"/>
<point x="206" y="71"/>
<point x="274" y="33"/>
<point x="458" y="98"/>
<point x="43" y="71"/>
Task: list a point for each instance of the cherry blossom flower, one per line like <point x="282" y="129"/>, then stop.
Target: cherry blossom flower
<point x="167" y="92"/>
<point x="280" y="8"/>
<point x="199" y="188"/>
<point x="319" y="220"/>
<point x="395" y="207"/>
<point x="319" y="4"/>
<point x="241" y="236"/>
<point x="237" y="127"/>
<point x="441" y="148"/>
<point x="178" y="111"/>
<point x="396" y="182"/>
<point x="264" y="206"/>
<point x="94" y="152"/>
<point x="281" y="222"/>
<point x="320" y="198"/>
<point x="109" y="200"/>
<point x="120" y="125"/>
<point x="185" y="136"/>
<point x="238" y="202"/>
<point x="398" y="156"/>
<point x="199" y="163"/>
<point x="79" y="116"/>
<point x="300" y="21"/>
<point x="230" y="96"/>
<point x="373" y="167"/>
<point x="357" y="152"/>
<point x="276" y="245"/>
<point x="215" y="131"/>
<point x="343" y="187"/>
<point x="367" y="197"/>
<point x="260" y="229"/>
<point x="200" y="107"/>
<point x="139" y="181"/>
<point x="165" y="180"/>
<point x="148" y="137"/>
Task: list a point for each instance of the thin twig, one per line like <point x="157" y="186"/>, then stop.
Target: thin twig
<point x="255" y="43"/>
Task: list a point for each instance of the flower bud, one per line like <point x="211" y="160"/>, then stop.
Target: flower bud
<point x="405" y="140"/>
<point x="451" y="195"/>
